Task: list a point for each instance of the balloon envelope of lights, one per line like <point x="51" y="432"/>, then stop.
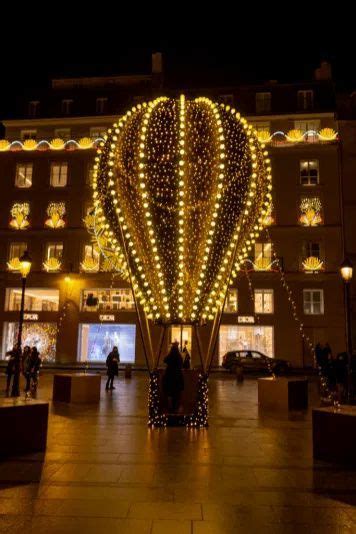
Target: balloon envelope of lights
<point x="181" y="188"/>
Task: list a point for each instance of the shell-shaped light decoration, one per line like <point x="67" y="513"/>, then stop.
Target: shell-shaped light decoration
<point x="57" y="144"/>
<point x="181" y="187"/>
<point x="56" y="211"/>
<point x="52" y="265"/>
<point x="29" y="144"/>
<point x="90" y="264"/>
<point x="295" y="136"/>
<point x="312" y="263"/>
<point x="14" y="264"/>
<point x="85" y="142"/>
<point x="262" y="264"/>
<point x="264" y="136"/>
<point x="4" y="145"/>
<point x="327" y="134"/>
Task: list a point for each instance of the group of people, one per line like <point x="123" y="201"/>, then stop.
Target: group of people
<point x="27" y="362"/>
<point x="334" y="369"/>
<point x="173" y="379"/>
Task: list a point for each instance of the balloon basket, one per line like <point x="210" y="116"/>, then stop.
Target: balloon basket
<point x="193" y="408"/>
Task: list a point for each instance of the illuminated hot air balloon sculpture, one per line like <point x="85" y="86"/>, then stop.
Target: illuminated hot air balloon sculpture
<point x="181" y="189"/>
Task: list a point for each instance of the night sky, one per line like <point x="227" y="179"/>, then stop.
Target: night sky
<point x="290" y="49"/>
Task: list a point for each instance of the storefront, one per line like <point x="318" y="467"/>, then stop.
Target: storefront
<point x="41" y="335"/>
<point x="241" y="337"/>
<point x="96" y="340"/>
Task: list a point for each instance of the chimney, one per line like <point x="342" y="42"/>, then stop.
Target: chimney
<point x="157" y="64"/>
<point x="323" y="72"/>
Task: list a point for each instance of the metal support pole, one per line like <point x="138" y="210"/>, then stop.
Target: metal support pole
<point x="347" y="289"/>
<point x="15" y="391"/>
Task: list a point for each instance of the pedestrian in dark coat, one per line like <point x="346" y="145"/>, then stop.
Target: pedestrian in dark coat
<point x="31" y="369"/>
<point x="186" y="356"/>
<point x="112" y="364"/>
<point x="11" y="367"/>
<point x="173" y="381"/>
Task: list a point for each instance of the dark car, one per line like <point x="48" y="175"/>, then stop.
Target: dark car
<point x="253" y="360"/>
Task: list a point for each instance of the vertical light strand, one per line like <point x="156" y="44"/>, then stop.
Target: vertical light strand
<point x="181" y="204"/>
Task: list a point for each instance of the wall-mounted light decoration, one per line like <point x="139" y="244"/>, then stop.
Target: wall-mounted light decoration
<point x="295" y="136"/>
<point x="29" y="144"/>
<point x="4" y="145"/>
<point x="55" y="211"/>
<point x="312" y="264"/>
<point x="327" y="134"/>
<point x="14" y="264"/>
<point x="85" y="142"/>
<point x="264" y="136"/>
<point x="57" y="144"/>
<point x="19" y="216"/>
<point x="310" y="211"/>
<point x="52" y="265"/>
<point x="262" y="264"/>
<point x="90" y="264"/>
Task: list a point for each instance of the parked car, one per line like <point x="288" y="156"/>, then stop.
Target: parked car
<point x="253" y="360"/>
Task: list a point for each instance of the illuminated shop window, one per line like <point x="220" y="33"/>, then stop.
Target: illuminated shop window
<point x="237" y="337"/>
<point x="19" y="216"/>
<point x="313" y="301"/>
<point x="309" y="172"/>
<point x="310" y="211"/>
<point x="16" y="250"/>
<point x="181" y="334"/>
<point x="56" y="212"/>
<point x="231" y="304"/>
<point x="96" y="341"/>
<point x="59" y="174"/>
<point x="263" y="257"/>
<point x="306" y="99"/>
<point x="23" y="177"/>
<point x="91" y="258"/>
<point x="36" y="299"/>
<point x="118" y="299"/>
<point x="53" y="257"/>
<point x="62" y="133"/>
<point x="263" y="300"/>
<point x="263" y="102"/>
<point x="34" y="334"/>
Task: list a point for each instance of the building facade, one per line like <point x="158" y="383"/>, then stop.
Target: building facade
<point x="76" y="309"/>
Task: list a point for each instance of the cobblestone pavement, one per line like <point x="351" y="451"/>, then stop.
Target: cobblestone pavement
<point x="105" y="471"/>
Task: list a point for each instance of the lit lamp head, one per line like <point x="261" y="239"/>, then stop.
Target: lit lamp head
<point x="346" y="269"/>
<point x="25" y="264"/>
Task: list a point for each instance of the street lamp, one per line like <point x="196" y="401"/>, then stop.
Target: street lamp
<point x="25" y="267"/>
<point x="346" y="269"/>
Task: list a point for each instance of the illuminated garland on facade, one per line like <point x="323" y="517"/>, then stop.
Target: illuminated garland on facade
<point x="181" y="188"/>
<point x="30" y="145"/>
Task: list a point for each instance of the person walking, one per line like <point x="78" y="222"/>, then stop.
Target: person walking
<point x="112" y="364"/>
<point x="11" y="368"/>
<point x="33" y="364"/>
<point x="186" y="356"/>
<point x="173" y="381"/>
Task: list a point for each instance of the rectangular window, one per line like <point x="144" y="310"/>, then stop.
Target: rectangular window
<point x="16" y="250"/>
<point x="311" y="127"/>
<point x="228" y="100"/>
<point x="41" y="335"/>
<point x="263" y="300"/>
<point x="62" y="133"/>
<point x="46" y="300"/>
<point x="181" y="334"/>
<point x="261" y="126"/>
<point x="309" y="172"/>
<point x="28" y="134"/>
<point x="90" y="175"/>
<point x="54" y="250"/>
<point x="263" y="256"/>
<point x="23" y="177"/>
<point x="312" y="249"/>
<point x="313" y="301"/>
<point x="66" y="106"/>
<point x="101" y="105"/>
<point x="233" y="337"/>
<point x="97" y="131"/>
<point x="263" y="102"/>
<point x="306" y="99"/>
<point x="119" y="299"/>
<point x="231" y="304"/>
<point x="91" y="258"/>
<point x="97" y="340"/>
<point x="33" y="108"/>
<point x="59" y="174"/>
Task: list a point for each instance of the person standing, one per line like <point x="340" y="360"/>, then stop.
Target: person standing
<point x="112" y="364"/>
<point x="33" y="364"/>
<point x="173" y="381"/>
<point x="11" y="367"/>
<point x="186" y="356"/>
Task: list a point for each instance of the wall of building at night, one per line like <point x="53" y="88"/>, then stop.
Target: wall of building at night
<point x="290" y="238"/>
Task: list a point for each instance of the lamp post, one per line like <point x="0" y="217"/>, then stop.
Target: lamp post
<point x="346" y="269"/>
<point x="25" y="267"/>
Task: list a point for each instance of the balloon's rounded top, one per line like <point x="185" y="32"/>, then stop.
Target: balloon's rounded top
<point x="181" y="188"/>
